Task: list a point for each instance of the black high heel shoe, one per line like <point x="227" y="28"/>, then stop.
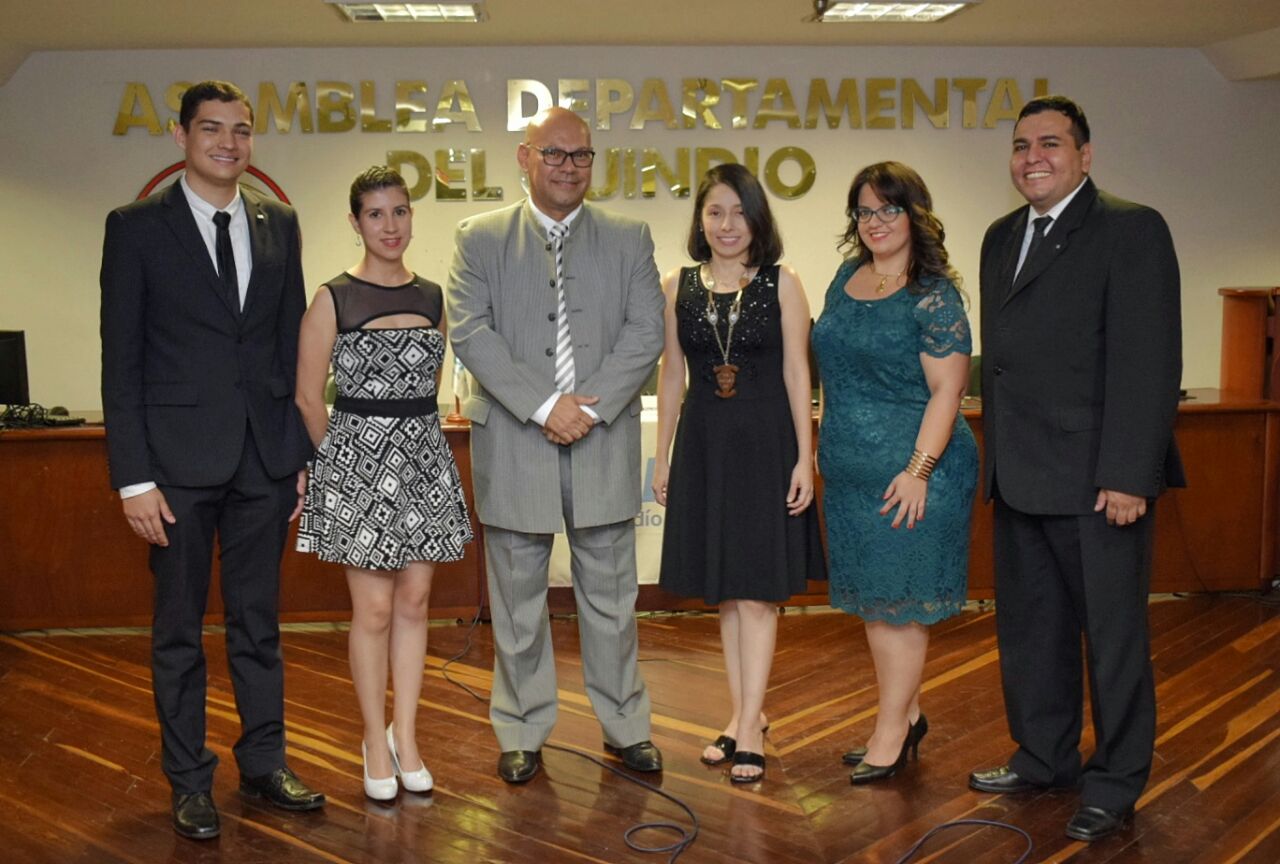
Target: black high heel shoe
<point x="865" y="772"/>
<point x="919" y="729"/>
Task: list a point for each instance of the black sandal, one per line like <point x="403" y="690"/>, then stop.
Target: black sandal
<point x="725" y="745"/>
<point x="746" y="757"/>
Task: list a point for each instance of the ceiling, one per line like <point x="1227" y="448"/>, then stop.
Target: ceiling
<point x="1248" y="26"/>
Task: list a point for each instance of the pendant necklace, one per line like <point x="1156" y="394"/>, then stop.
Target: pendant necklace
<point x="726" y="373"/>
<point x="884" y="277"/>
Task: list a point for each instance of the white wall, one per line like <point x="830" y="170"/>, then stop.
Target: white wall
<point x="1168" y="131"/>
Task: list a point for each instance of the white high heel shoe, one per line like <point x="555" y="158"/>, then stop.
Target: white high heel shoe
<point x="379" y="788"/>
<point x="414" y="781"/>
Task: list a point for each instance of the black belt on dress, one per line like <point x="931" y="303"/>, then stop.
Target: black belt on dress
<point x="385" y="407"/>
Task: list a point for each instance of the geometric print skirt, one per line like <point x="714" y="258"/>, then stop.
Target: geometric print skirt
<point x="384" y="491"/>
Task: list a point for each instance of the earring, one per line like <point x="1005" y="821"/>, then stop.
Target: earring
<point x="358" y="241"/>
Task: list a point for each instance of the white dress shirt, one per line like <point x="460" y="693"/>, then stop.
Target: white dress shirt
<point x="544" y="410"/>
<point x="1053" y="213"/>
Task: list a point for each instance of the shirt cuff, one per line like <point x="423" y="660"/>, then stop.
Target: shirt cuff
<point x="135" y="489"/>
<point x="595" y="418"/>
<point x="544" y="411"/>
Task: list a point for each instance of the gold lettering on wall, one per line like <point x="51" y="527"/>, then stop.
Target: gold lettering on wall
<point x="936" y="110"/>
<point x="479" y="191"/>
<point x="708" y="157"/>
<point x="449" y="181"/>
<point x="411" y="115"/>
<point x="281" y="112"/>
<point x="335" y="105"/>
<point x="738" y="89"/>
<point x="776" y="103"/>
<point x="517" y="91"/>
<point x="613" y="96"/>
<point x="880" y="100"/>
<point x="173" y="101"/>
<point x="369" y="119"/>
<point x="455" y="106"/>
<point x="655" y="104"/>
<point x="398" y="160"/>
<point x="573" y="95"/>
<point x="653" y="166"/>
<point x="846" y="101"/>
<point x="773" y="172"/>
<point x="136" y="110"/>
<point x="695" y="107"/>
<point x="969" y="88"/>
<point x="1006" y="102"/>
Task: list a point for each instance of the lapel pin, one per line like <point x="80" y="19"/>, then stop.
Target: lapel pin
<point x="261" y="217"/>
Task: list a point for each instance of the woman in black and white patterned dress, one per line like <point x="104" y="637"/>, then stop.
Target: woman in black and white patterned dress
<point x="383" y="498"/>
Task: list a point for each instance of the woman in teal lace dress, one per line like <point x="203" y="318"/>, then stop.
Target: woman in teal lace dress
<point x="893" y="351"/>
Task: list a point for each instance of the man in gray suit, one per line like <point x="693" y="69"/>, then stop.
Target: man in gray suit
<point x="555" y="309"/>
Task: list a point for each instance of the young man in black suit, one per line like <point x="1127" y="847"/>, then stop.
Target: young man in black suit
<point x="202" y="295"/>
<point x="1082" y="344"/>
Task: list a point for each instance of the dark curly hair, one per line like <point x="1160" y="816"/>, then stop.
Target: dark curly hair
<point x="209" y="91"/>
<point x="898" y="184"/>
<point x="371" y="180"/>
<point x="766" y="242"/>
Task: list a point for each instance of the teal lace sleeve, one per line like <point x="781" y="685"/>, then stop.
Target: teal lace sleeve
<point x="944" y="326"/>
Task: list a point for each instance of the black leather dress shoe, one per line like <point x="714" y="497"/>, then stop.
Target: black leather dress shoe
<point x="194" y="816"/>
<point x="1001" y="781"/>
<point x="642" y="756"/>
<point x="518" y="766"/>
<point x="283" y="789"/>
<point x="1094" y="823"/>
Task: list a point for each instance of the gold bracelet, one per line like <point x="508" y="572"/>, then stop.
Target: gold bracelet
<point x="921" y="464"/>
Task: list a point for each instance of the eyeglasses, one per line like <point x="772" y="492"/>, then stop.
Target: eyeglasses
<point x="554" y="156"/>
<point x="887" y="213"/>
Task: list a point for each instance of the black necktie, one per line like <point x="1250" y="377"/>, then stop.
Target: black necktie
<point x="227" y="260"/>
<point x="1039" y="225"/>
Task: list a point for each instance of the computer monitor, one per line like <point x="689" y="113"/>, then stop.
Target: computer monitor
<point x="13" y="368"/>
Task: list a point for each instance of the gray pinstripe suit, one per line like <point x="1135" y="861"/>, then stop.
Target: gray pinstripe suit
<point x="501" y="304"/>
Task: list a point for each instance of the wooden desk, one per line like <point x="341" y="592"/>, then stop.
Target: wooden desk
<point x="68" y="560"/>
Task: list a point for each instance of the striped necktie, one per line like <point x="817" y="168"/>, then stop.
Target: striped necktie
<point x="564" y="345"/>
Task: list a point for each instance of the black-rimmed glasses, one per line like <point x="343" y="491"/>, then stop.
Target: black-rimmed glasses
<point x="555" y="157"/>
<point x="887" y="213"/>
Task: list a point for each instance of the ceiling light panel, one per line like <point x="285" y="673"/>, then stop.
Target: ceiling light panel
<point x="897" y="13"/>
<point x="412" y="13"/>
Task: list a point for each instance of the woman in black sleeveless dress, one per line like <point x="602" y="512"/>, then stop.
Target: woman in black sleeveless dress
<point x="740" y="531"/>
<point x="384" y="497"/>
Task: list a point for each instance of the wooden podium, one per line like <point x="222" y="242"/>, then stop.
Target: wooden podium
<point x="1250" y="331"/>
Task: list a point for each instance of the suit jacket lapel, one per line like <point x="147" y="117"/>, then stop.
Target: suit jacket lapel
<point x="1058" y="238"/>
<point x="183" y="224"/>
<point x="1009" y="251"/>
<point x="259" y="241"/>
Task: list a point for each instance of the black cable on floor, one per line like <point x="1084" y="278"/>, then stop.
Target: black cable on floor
<point x="676" y="848"/>
<point x="911" y="853"/>
<point x="466" y="646"/>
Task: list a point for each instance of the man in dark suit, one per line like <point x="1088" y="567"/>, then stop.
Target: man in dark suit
<point x="1082" y="338"/>
<point x="202" y="295"/>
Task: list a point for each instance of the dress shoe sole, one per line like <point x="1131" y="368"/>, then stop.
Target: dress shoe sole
<point x="1091" y="836"/>
<point x="1009" y="789"/>
<point x="298" y="807"/>
<point x="197" y="835"/>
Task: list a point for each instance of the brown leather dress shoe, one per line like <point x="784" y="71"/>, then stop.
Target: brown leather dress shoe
<point x="641" y="756"/>
<point x="194" y="816"/>
<point x="1094" y="823"/>
<point x="283" y="789"/>
<point x="1001" y="781"/>
<point x="518" y="766"/>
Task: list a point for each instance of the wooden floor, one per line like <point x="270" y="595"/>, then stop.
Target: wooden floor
<point x="80" y="778"/>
